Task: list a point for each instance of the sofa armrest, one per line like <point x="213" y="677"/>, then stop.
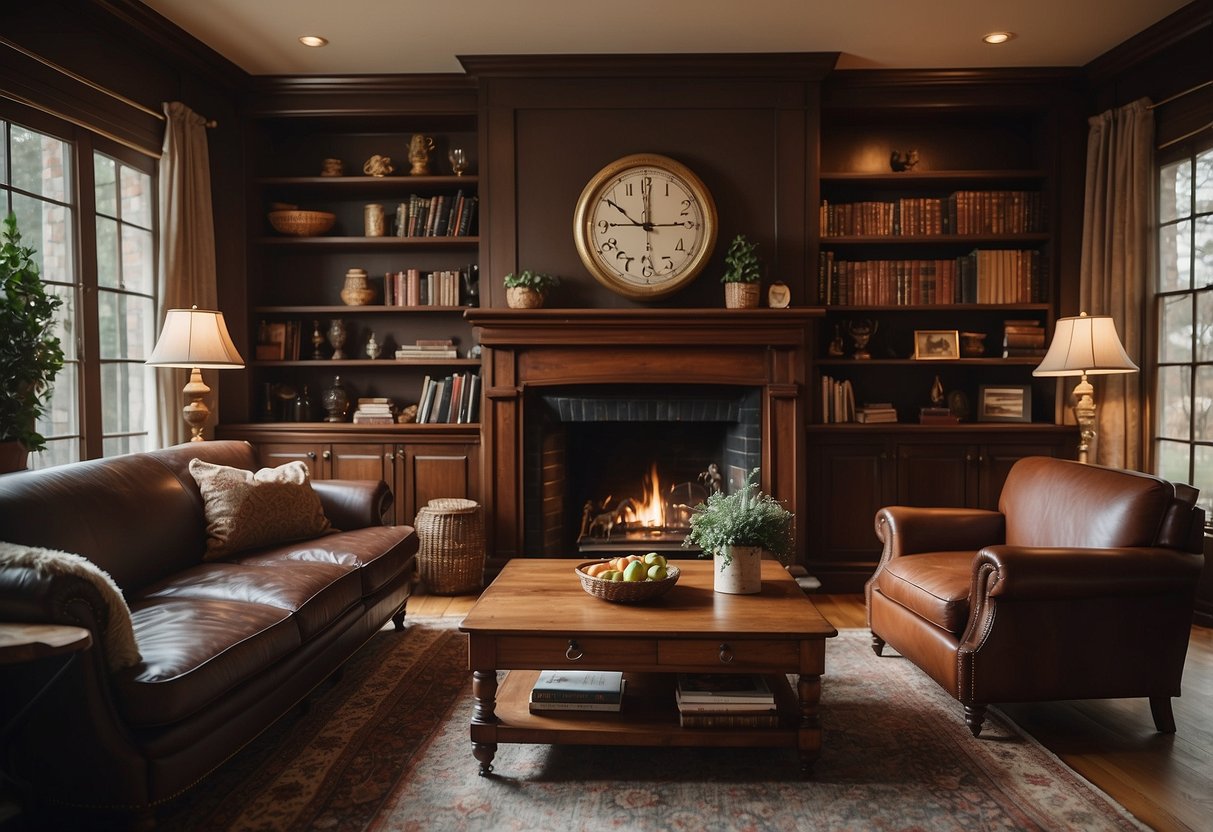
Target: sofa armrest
<point x="1021" y="572"/>
<point x="354" y="504"/>
<point x="906" y="530"/>
<point x="39" y="598"/>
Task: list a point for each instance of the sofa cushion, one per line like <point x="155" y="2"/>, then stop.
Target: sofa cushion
<point x="195" y="650"/>
<point x="317" y="593"/>
<point x="381" y="554"/>
<point x="246" y="509"/>
<point x="935" y="586"/>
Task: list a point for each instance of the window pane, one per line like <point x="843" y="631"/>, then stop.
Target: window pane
<point x="46" y="229"/>
<point x="1204" y="181"/>
<point x="105" y="185"/>
<point x="124" y="398"/>
<point x="58" y="452"/>
<point x="1204" y="325"/>
<point x="138" y="270"/>
<point x="65" y="319"/>
<point x="1175" y="191"/>
<point x="3" y="156"/>
<point x="40" y="164"/>
<point x="1204" y="252"/>
<point x="136" y="197"/>
<point x="1175" y="329"/>
<point x="1173" y="461"/>
<point x="109" y="274"/>
<point x="1203" y="478"/>
<point x="124" y="325"/>
<point x="116" y="445"/>
<point x="1174" y="256"/>
<point x="1202" y="424"/>
<point x="62" y="417"/>
<point x="1174" y="402"/>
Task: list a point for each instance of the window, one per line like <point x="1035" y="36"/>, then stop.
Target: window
<point x="1183" y="425"/>
<point x="88" y="209"/>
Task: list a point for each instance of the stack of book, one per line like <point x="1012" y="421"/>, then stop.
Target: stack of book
<point x="1023" y="339"/>
<point x="427" y="349"/>
<point x="876" y="412"/>
<point x="577" y="690"/>
<point x="375" y="410"/>
<point x="937" y="416"/>
<point x="725" y="700"/>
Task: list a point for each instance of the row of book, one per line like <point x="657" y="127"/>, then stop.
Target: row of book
<point x="995" y="276"/>
<point x="451" y="400"/>
<point x="705" y="700"/>
<point x="1023" y="339"/>
<point x="963" y="212"/>
<point x="412" y="287"/>
<point x="837" y="400"/>
<point x="441" y="215"/>
<point x="277" y="341"/>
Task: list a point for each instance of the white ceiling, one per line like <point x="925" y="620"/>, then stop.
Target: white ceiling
<point x="390" y="36"/>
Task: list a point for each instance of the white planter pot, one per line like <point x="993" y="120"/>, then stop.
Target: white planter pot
<point x="742" y="575"/>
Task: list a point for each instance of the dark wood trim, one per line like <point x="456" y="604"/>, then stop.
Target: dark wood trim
<point x="1172" y="29"/>
<point x="1017" y="88"/>
<point x="374" y="97"/>
<point x="786" y="65"/>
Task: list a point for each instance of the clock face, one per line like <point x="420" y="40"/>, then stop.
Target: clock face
<point x="645" y="226"/>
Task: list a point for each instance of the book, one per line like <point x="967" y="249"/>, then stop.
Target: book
<point x="723" y="687"/>
<point x="578" y="686"/>
<point x="540" y="707"/>
<point x="769" y="719"/>
<point x="718" y="707"/>
<point x="876" y="416"/>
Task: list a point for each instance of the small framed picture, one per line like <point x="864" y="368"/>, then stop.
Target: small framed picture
<point x="933" y="344"/>
<point x="1005" y="403"/>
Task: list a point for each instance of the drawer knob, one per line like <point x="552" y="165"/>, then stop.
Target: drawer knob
<point x="574" y="652"/>
<point x="726" y="654"/>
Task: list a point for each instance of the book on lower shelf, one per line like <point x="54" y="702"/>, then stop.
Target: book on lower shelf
<point x="937" y="416"/>
<point x="879" y="412"/>
<point x="584" y="687"/>
<point x="768" y="719"/>
<point x="724" y="688"/>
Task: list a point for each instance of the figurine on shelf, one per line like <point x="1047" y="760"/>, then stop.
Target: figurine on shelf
<point x="937" y="396"/>
<point x="861" y="332"/>
<point x="337" y="338"/>
<point x="903" y="164"/>
<point x="378" y="166"/>
<point x="372" y="347"/>
<point x="408" y="415"/>
<point x="419" y="154"/>
<point x="333" y="167"/>
<point x="835" y="350"/>
<point x="317" y="341"/>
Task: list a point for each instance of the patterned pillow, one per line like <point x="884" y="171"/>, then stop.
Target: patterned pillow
<point x="246" y="510"/>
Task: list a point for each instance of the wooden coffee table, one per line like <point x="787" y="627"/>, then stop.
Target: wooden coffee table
<point x="536" y="616"/>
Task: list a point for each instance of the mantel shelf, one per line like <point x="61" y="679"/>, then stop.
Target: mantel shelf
<point x="383" y="363"/>
<point x="360" y="183"/>
<point x="940" y="307"/>
<point x="934" y="177"/>
<point x="1029" y="361"/>
<point x="934" y="239"/>
<point x="371" y="242"/>
<point x="337" y="309"/>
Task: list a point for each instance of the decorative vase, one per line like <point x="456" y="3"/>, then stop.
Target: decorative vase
<point x="317" y="341"/>
<point x="356" y="291"/>
<point x="372" y="347"/>
<point x="335" y="402"/>
<point x="523" y="297"/>
<point x="337" y="338"/>
<point x="740" y="295"/>
<point x="742" y="575"/>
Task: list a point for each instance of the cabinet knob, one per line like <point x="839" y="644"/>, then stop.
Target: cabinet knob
<point x="726" y="654"/>
<point x="311" y="455"/>
<point x="574" y="652"/>
<point x="327" y="455"/>
<point x="389" y="457"/>
<point x="968" y="457"/>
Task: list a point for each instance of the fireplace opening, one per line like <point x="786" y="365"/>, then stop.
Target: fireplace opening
<point x="615" y="468"/>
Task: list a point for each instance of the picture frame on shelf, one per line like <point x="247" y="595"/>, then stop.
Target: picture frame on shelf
<point x="1004" y="403"/>
<point x="936" y="344"/>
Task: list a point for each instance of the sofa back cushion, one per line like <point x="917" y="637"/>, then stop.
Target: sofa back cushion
<point x="1058" y="502"/>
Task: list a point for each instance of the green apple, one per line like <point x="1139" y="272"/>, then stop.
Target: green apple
<point x="654" y="559"/>
<point x="609" y="575"/>
<point x="657" y="572"/>
<point x="635" y="571"/>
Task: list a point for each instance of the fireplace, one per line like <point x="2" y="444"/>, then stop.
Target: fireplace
<point x="617" y="467"/>
<point x="571" y="393"/>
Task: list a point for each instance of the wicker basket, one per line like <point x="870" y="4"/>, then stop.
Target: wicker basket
<point x="626" y="592"/>
<point x="451" y="556"/>
<point x="302" y="223"/>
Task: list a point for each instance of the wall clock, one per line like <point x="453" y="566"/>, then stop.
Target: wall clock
<point x="645" y="226"/>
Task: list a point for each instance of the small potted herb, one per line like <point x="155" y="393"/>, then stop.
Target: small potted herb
<point x="527" y="289"/>
<point x="742" y="275"/>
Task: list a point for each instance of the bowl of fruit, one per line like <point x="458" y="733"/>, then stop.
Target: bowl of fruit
<point x="628" y="579"/>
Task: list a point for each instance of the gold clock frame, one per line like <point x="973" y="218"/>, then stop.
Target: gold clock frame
<point x="583" y="224"/>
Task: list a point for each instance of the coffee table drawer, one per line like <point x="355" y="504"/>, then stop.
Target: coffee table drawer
<point x="546" y="652"/>
<point x="738" y="654"/>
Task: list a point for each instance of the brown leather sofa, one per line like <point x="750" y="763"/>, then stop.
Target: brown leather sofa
<point x="1081" y="586"/>
<point x="227" y="646"/>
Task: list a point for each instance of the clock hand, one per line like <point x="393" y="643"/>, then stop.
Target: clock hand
<point x="615" y="205"/>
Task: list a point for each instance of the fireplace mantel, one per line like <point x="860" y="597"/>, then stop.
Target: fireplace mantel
<point x="526" y="349"/>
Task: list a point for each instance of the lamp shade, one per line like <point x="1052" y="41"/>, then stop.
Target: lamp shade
<point x="195" y="338"/>
<point x="1085" y="344"/>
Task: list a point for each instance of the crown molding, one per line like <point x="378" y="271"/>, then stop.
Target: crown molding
<point x="1176" y="27"/>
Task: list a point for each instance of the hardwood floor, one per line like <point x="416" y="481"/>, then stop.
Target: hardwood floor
<point x="1165" y="780"/>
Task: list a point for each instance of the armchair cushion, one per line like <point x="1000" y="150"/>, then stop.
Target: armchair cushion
<point x="934" y="586"/>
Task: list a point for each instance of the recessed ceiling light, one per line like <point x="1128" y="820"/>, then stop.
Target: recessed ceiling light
<point x="313" y="40"/>
<point x="998" y="37"/>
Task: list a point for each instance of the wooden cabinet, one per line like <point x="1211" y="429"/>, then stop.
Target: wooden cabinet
<point x="858" y="469"/>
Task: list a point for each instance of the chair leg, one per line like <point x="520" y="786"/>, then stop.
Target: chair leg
<point x="877" y="645"/>
<point x="398" y="616"/>
<point x="975" y="717"/>
<point x="1164" y="719"/>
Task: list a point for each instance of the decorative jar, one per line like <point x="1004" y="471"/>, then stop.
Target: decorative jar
<point x="356" y="292"/>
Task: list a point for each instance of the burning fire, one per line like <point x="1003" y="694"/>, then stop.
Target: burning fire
<point x="649" y="510"/>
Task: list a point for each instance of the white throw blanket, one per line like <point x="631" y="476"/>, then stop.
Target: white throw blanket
<point x="119" y="639"/>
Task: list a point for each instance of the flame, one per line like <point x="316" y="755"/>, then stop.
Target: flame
<point x="649" y="510"/>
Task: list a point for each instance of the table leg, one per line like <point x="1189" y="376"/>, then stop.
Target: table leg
<point x="808" y="689"/>
<point x="484" y="692"/>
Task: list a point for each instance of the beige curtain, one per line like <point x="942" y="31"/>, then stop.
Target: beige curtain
<point x="1116" y="267"/>
<point x="187" y="251"/>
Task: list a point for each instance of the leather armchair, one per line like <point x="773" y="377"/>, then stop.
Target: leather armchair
<point x="1081" y="586"/>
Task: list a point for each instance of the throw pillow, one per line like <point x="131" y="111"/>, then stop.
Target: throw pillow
<point x="247" y="510"/>
<point x="119" y="644"/>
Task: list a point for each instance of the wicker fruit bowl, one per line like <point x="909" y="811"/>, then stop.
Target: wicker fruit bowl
<point x="626" y="592"/>
<point x="301" y="223"/>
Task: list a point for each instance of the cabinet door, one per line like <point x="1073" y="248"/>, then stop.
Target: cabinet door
<point x="316" y="457"/>
<point x="360" y="461"/>
<point x="995" y="461"/>
<point x="429" y="471"/>
<point x="850" y="483"/>
<point x="935" y="474"/>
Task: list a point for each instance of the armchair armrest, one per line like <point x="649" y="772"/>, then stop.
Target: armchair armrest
<point x="1020" y="572"/>
<point x="354" y="504"/>
<point x="907" y="530"/>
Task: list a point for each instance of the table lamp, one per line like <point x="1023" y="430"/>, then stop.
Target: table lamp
<point x="1082" y="346"/>
<point x="195" y="339"/>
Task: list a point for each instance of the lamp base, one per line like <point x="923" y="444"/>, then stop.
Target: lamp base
<point x="1084" y="414"/>
<point x="195" y="411"/>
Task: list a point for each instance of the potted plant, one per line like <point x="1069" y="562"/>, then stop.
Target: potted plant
<point x="741" y="277"/>
<point x="527" y="289"/>
<point x="30" y="355"/>
<point x="735" y="529"/>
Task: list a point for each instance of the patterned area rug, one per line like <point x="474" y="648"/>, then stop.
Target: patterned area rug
<point x="386" y="748"/>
